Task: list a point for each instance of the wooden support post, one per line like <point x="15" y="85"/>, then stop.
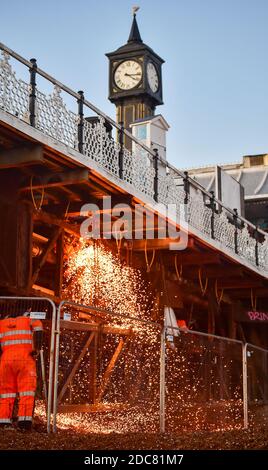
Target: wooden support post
<point x="212" y="309"/>
<point x="24" y="247"/>
<point x="232" y="327"/>
<point x="59" y="265"/>
<point x="94" y="369"/>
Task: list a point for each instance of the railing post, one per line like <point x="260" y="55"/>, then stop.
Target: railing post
<point x="212" y="220"/>
<point x="186" y="187"/>
<point x="32" y="94"/>
<point x="155" y="162"/>
<point x="162" y="390"/>
<point x="245" y="384"/>
<point x="121" y="151"/>
<point x="80" y="127"/>
<point x="236" y="230"/>
<point x="256" y="246"/>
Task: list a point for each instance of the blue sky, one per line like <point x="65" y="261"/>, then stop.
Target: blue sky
<point x="215" y="76"/>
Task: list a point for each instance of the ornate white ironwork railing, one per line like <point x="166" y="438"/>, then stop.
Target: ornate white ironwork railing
<point x="141" y="168"/>
<point x="54" y="119"/>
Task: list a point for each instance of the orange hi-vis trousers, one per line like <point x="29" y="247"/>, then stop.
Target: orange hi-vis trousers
<point x="17" y="376"/>
<point x="17" y="367"/>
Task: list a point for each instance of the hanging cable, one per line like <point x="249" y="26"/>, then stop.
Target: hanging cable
<point x="37" y="207"/>
<point x="203" y="287"/>
<point x="119" y="242"/>
<point x="179" y="274"/>
<point x="148" y="264"/>
<point x="218" y="296"/>
<point x="67" y="211"/>
<point x="191" y="315"/>
<point x="253" y="301"/>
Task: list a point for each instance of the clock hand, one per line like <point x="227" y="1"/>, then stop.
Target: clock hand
<point x="132" y="74"/>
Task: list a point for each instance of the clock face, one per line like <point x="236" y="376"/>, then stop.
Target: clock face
<point x="152" y="77"/>
<point x="128" y="75"/>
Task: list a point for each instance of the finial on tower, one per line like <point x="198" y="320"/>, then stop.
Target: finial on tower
<point x="135" y="8"/>
<point x="134" y="33"/>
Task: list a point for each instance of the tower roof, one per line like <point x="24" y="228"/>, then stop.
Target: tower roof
<point x="134" y="44"/>
<point x="134" y="35"/>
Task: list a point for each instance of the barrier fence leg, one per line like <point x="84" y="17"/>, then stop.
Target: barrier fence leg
<point x="245" y="384"/>
<point x="162" y="380"/>
<point x="51" y="366"/>
<point x="42" y="362"/>
<point x="56" y="369"/>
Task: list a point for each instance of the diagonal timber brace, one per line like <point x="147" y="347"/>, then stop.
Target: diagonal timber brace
<point x="76" y="365"/>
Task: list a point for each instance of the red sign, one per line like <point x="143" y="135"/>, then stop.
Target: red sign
<point x="257" y="316"/>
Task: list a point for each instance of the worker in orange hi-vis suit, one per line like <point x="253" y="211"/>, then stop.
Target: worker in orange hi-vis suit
<point x="20" y="343"/>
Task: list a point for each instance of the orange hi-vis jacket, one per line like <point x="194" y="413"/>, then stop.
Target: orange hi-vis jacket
<point x="17" y="367"/>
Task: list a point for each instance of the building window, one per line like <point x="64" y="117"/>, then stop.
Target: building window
<point x="142" y="132"/>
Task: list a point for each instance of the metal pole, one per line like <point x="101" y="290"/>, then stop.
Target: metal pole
<point x="186" y="187"/>
<point x="32" y="96"/>
<point x="212" y="220"/>
<point x="256" y="246"/>
<point x="121" y="151"/>
<point x="56" y="369"/>
<point x="80" y="129"/>
<point x="156" y="175"/>
<point x="51" y="364"/>
<point x="42" y="362"/>
<point x="236" y="230"/>
<point x="245" y="384"/>
<point x="162" y="380"/>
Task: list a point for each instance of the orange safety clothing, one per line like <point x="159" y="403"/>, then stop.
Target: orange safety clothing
<point x="182" y="324"/>
<point x="17" y="367"/>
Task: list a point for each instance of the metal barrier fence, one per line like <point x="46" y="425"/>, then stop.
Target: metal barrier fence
<point x="205" y="382"/>
<point x="107" y="364"/>
<point x="256" y="359"/>
<point x="134" y="375"/>
<point x="45" y="361"/>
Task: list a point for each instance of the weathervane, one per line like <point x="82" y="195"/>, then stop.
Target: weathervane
<point x="135" y="8"/>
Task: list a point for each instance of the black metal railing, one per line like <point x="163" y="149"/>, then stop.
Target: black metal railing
<point x="189" y="185"/>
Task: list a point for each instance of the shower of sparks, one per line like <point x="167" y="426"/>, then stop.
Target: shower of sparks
<point x="203" y="376"/>
<point x="95" y="276"/>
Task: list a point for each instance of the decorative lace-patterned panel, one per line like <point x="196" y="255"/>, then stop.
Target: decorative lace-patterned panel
<point x="246" y="245"/>
<point x="199" y="216"/>
<point x="54" y="119"/>
<point x="14" y="93"/>
<point x="168" y="191"/>
<point x="263" y="253"/>
<point x="224" y="231"/>
<point x="100" y="147"/>
<point x="139" y="172"/>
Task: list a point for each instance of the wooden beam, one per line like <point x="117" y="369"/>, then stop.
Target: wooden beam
<point x="93" y="326"/>
<point x="246" y="293"/>
<point x="160" y="244"/>
<point x="21" y="156"/>
<point x="51" y="219"/>
<point x="109" y="370"/>
<point x="215" y="272"/>
<point x="192" y="259"/>
<point x="50" y="245"/>
<point x="234" y="284"/>
<point x="59" y="265"/>
<point x="53" y="180"/>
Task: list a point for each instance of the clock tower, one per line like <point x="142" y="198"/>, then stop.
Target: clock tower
<point x="135" y="79"/>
